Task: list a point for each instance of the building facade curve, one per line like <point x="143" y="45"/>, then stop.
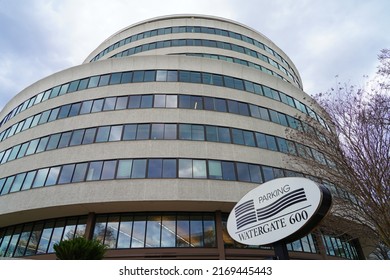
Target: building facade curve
<point x="150" y="142"/>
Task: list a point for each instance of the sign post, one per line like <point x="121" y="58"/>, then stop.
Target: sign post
<point x="278" y="212"/>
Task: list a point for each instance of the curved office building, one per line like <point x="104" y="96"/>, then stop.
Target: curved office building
<point x="150" y="142"/>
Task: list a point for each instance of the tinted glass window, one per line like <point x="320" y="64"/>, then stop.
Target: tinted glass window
<point x="109" y="104"/>
<point x="80" y="172"/>
<point x="89" y="136"/>
<point x="155" y="168"/>
<point x="124" y="169"/>
<point x="185" y="168"/>
<point x="228" y="172"/>
<point x="169" y="168"/>
<point x="102" y="134"/>
<point x="116" y="133"/>
<point x="170" y="131"/>
<point x="130" y="132"/>
<point x="97" y="105"/>
<point x="66" y="174"/>
<point x="143" y="131"/>
<point x="108" y="171"/>
<point x="94" y="171"/>
<point x="139" y="168"/>
<point x="77" y="137"/>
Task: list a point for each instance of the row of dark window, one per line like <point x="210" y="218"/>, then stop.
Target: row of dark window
<point x="39" y="237"/>
<point x="339" y="246"/>
<point x="140" y="169"/>
<point x="237" y="61"/>
<point x="119" y="231"/>
<point x="155" y="101"/>
<point x="209" y="44"/>
<point x="155" y="131"/>
<point x="161" y="76"/>
<point x="146" y="230"/>
<point x="191" y="29"/>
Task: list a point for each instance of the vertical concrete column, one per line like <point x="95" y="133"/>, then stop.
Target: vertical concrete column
<point x="90" y="225"/>
<point x="219" y="235"/>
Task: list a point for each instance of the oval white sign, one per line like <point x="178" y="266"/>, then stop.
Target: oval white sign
<point x="281" y="209"/>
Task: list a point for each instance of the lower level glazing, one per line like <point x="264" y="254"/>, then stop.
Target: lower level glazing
<point x="164" y="234"/>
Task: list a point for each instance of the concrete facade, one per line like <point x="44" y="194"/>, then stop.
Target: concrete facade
<point x="181" y="194"/>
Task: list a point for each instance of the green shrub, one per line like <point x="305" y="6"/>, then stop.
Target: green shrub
<point x="80" y="248"/>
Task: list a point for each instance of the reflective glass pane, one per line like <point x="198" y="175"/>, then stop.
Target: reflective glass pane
<point x="121" y="103"/>
<point x="238" y="137"/>
<point x="74" y="110"/>
<point x="18" y="182"/>
<point x="53" y="142"/>
<point x="249" y="138"/>
<point x="65" y="139"/>
<point x="103" y="134"/>
<point x="155" y="168"/>
<point x="199" y="169"/>
<point x="108" y="171"/>
<point x="255" y="173"/>
<point x="34" y="239"/>
<point x="170" y="131"/>
<point x="185" y="168"/>
<point x="77" y="137"/>
<point x="153" y="232"/>
<point x="215" y="169"/>
<point x="169" y="168"/>
<point x="112" y="231"/>
<point x="32" y="147"/>
<point x="143" y="131"/>
<point x="109" y="104"/>
<point x="125" y="231"/>
<point x="183" y="231"/>
<point x="134" y="102"/>
<point x="171" y="101"/>
<point x="196" y="231"/>
<point x="66" y="174"/>
<point x="138" y="236"/>
<point x="52" y="176"/>
<point x="130" y="132"/>
<point x="228" y="172"/>
<point x="40" y="178"/>
<point x="224" y="135"/>
<point x="93" y="81"/>
<point x="57" y="234"/>
<point x="157" y="131"/>
<point x="159" y="101"/>
<point x="209" y="231"/>
<point x="211" y="133"/>
<point x="185" y="131"/>
<point x="168" y="231"/>
<point x="116" y="133"/>
<point x="124" y="169"/>
<point x="45" y="238"/>
<point x="28" y="180"/>
<point x="243" y="172"/>
<point x="197" y="132"/>
<point x="100" y="228"/>
<point x="97" y="105"/>
<point x="139" y="168"/>
<point x="146" y="101"/>
<point x="79" y="172"/>
<point x="86" y="107"/>
<point x="89" y="136"/>
<point x="268" y="173"/>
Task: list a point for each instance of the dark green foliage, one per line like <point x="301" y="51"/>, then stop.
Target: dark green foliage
<point x="80" y="248"/>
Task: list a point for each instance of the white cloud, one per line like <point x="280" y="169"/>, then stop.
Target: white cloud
<point x="323" y="38"/>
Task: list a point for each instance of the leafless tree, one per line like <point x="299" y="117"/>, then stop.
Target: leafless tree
<point x="352" y="155"/>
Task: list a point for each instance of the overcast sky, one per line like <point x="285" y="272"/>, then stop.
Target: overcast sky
<point x="323" y="38"/>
